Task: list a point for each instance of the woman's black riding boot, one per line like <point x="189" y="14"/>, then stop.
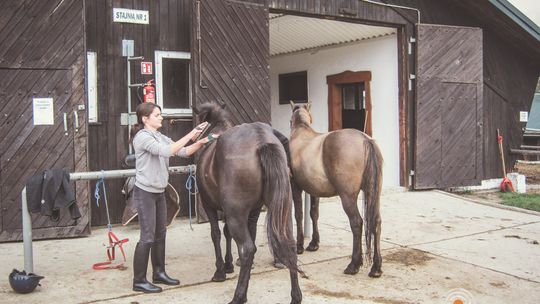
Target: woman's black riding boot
<point x="158" y="265"/>
<point x="140" y="265"/>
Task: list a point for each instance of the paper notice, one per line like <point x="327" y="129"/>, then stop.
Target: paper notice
<point x="43" y="111"/>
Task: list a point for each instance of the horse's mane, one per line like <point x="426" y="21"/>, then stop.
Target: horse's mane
<point x="215" y="114"/>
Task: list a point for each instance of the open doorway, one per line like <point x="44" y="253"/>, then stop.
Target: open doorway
<point x="349" y="101"/>
<point x="350" y="72"/>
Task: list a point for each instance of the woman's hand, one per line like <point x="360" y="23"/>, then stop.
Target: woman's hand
<point x="208" y="138"/>
<point x="198" y="130"/>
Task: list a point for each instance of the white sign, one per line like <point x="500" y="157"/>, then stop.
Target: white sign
<point x="125" y="15"/>
<point x="43" y="111"/>
<point x="523" y="116"/>
<point x="146" y="68"/>
<point x="92" y="87"/>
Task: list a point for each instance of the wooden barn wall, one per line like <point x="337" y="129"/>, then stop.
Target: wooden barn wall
<point x="511" y="70"/>
<point x="368" y="13"/>
<point x="169" y="30"/>
<point x="231" y="56"/>
<point x="41" y="55"/>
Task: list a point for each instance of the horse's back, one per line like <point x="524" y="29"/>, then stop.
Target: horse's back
<point x="237" y="157"/>
<point x="331" y="163"/>
<point x="307" y="164"/>
<point x="345" y="154"/>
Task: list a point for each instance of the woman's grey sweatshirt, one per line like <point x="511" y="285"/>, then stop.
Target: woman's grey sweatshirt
<point x="152" y="152"/>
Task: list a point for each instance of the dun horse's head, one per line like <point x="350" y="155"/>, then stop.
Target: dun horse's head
<point x="301" y="114"/>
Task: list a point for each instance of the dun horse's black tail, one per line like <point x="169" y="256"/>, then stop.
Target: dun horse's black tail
<point x="371" y="185"/>
<point x="277" y="197"/>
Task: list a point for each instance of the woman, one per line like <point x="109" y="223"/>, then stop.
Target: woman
<point x="152" y="152"/>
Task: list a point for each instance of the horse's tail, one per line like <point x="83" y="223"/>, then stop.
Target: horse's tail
<point x="277" y="197"/>
<point x="371" y="185"/>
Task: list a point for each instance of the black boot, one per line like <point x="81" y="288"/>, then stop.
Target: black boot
<point x="140" y="265"/>
<point x="158" y="265"/>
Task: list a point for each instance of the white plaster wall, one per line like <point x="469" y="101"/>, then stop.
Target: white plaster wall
<point x="376" y="55"/>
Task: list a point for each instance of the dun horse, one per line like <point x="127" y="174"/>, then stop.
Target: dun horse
<point x="238" y="173"/>
<point x="341" y="162"/>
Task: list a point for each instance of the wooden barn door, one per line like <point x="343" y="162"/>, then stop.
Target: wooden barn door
<point x="43" y="57"/>
<point x="449" y="107"/>
<point x="230" y="51"/>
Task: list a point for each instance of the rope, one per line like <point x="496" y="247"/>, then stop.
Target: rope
<point x="101" y="182"/>
<point x="113" y="239"/>
<point x="191" y="183"/>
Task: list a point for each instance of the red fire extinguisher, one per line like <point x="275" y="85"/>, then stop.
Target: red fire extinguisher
<point x="149" y="92"/>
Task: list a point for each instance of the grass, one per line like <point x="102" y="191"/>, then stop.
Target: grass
<point x="530" y="201"/>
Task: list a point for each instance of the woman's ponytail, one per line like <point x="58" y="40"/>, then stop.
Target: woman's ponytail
<point x="136" y="128"/>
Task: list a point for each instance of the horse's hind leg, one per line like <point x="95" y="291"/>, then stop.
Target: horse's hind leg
<point x="377" y="259"/>
<point x="314" y="213"/>
<point x="356" y="223"/>
<point x="298" y="215"/>
<point x="246" y="249"/>
<point x="229" y="267"/>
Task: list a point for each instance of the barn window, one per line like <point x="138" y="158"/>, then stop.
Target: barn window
<point x="293" y="86"/>
<point x="172" y="82"/>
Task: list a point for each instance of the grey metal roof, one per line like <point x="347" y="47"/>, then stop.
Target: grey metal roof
<point x="518" y="17"/>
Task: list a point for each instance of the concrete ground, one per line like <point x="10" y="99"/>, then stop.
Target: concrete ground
<point x="437" y="248"/>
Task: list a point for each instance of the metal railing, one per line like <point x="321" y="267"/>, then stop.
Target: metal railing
<point x="76" y="176"/>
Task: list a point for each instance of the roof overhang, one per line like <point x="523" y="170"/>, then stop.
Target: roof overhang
<point x="291" y="34"/>
<point x="518" y="17"/>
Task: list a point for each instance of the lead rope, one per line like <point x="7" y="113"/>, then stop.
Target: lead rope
<point x="113" y="239"/>
<point x="191" y="183"/>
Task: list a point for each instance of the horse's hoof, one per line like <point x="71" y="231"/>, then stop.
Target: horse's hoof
<point x="312" y="247"/>
<point x="375" y="273"/>
<point x="238" y="301"/>
<point x="229" y="268"/>
<point x="219" y="277"/>
<point x="299" y="250"/>
<point x="279" y="265"/>
<point x="351" y="270"/>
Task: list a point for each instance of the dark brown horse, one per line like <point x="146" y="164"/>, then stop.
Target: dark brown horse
<point x="243" y="169"/>
<point x="341" y="162"/>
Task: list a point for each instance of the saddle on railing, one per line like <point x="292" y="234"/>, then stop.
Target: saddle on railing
<point x="172" y="198"/>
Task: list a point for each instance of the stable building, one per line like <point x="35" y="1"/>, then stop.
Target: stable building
<point x="430" y="81"/>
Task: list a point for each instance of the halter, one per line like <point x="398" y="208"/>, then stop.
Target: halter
<point x="301" y="115"/>
<point x="113" y="239"/>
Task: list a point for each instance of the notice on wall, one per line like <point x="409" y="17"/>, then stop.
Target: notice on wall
<point x="43" y="111"/>
<point x="125" y="15"/>
<point x="523" y="116"/>
<point x="146" y="68"/>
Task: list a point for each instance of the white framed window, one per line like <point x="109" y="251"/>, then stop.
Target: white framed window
<point x="173" y="83"/>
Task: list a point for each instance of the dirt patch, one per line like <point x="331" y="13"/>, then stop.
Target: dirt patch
<point x="316" y="290"/>
<point x="408" y="257"/>
<point x="313" y="289"/>
<point x="492" y="196"/>
<point x="498" y="284"/>
<point x="531" y="172"/>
